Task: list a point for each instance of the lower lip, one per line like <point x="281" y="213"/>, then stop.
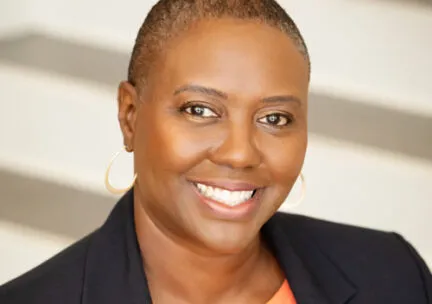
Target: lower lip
<point x="222" y="211"/>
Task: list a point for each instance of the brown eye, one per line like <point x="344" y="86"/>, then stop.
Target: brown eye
<point x="275" y="119"/>
<point x="201" y="111"/>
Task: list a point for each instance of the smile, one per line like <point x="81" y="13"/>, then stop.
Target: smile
<point x="223" y="196"/>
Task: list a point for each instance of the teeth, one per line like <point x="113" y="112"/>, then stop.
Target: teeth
<point x="230" y="198"/>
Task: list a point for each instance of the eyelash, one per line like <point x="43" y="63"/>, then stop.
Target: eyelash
<point x="288" y="118"/>
<point x="188" y="106"/>
<point x="191" y="105"/>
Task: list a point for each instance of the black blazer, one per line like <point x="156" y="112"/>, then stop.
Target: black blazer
<point x="324" y="263"/>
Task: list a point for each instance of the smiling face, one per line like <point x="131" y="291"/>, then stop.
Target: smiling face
<point x="219" y="133"/>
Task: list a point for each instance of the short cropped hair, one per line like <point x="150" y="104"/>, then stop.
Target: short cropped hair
<point x="168" y="18"/>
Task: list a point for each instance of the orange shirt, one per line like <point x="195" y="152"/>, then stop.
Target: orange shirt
<point x="283" y="296"/>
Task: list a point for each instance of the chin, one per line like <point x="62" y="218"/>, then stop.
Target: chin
<point x="228" y="240"/>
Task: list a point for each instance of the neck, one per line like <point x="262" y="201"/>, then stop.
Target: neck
<point x="175" y="268"/>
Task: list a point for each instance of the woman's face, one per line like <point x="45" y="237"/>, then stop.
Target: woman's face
<point x="220" y="132"/>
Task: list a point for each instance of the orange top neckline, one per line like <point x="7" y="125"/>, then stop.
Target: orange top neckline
<point x="283" y="296"/>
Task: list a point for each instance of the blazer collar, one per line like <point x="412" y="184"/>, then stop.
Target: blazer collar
<point x="114" y="272"/>
<point x="314" y="278"/>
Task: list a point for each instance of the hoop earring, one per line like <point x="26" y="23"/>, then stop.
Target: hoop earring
<point x="108" y="185"/>
<point x="302" y="194"/>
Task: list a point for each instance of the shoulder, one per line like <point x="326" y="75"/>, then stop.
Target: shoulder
<point x="337" y="236"/>
<point x="58" y="280"/>
<point x="351" y="245"/>
<point x="365" y="255"/>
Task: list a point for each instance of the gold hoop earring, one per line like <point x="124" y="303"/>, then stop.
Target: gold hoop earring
<point x="302" y="194"/>
<point x="108" y="185"/>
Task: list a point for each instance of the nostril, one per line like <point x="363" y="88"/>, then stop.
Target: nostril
<point x="237" y="150"/>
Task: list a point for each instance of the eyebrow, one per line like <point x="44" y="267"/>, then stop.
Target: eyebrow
<point x="282" y="98"/>
<point x="219" y="94"/>
<point x="201" y="89"/>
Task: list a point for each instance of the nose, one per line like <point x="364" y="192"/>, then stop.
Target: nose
<point x="238" y="149"/>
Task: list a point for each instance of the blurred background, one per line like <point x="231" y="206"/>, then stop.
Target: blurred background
<point x="370" y="155"/>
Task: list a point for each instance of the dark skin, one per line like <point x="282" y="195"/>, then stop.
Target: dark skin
<point x="226" y="101"/>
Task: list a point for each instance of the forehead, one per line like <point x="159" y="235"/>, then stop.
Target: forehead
<point x="239" y="57"/>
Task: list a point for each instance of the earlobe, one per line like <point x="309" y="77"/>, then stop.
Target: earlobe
<point x="127" y="108"/>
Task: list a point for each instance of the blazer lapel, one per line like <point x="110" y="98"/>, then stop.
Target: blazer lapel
<point x="313" y="277"/>
<point x="114" y="273"/>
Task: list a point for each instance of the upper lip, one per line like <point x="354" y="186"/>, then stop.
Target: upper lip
<point x="231" y="185"/>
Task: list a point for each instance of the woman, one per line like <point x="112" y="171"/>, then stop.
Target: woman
<point x="215" y="111"/>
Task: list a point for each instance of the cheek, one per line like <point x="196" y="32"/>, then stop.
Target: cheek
<point x="172" y="145"/>
<point x="284" y="158"/>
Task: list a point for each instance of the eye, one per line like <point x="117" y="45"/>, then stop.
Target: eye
<point x="276" y="119"/>
<point x="200" y="111"/>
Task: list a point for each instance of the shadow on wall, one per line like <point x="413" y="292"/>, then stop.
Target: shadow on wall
<point x="51" y="207"/>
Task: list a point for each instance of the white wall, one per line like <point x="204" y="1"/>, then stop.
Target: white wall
<point x="372" y="51"/>
<point x="371" y="188"/>
<point x="22" y="248"/>
<point x="69" y="128"/>
<point x="16" y="16"/>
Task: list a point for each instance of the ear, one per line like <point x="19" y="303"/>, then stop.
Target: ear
<point x="127" y="112"/>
